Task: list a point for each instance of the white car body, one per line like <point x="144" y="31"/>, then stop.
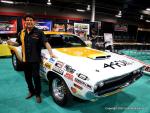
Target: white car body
<point x="89" y="73"/>
<point x="93" y="69"/>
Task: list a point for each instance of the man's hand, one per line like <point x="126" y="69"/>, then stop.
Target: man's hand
<point x="9" y="42"/>
<point x="53" y="56"/>
<point x="47" y="45"/>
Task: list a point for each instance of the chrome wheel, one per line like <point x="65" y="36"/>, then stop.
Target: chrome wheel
<point x="58" y="89"/>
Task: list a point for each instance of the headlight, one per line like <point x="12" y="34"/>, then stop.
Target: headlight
<point x="136" y="71"/>
<point x="95" y="86"/>
<point x="99" y="84"/>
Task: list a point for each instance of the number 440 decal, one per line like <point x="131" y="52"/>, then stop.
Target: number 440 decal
<point x="118" y="63"/>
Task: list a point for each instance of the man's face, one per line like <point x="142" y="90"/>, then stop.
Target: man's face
<point x="29" y="22"/>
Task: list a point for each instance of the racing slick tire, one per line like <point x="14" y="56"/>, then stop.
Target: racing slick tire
<point x="60" y="92"/>
<point x="16" y="63"/>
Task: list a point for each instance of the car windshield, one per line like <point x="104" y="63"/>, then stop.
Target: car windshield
<point x="64" y="40"/>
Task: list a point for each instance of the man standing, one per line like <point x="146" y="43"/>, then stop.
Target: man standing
<point x="31" y="40"/>
<point x="93" y="38"/>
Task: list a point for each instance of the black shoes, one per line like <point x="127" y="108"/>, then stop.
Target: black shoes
<point x="38" y="99"/>
<point x="30" y="95"/>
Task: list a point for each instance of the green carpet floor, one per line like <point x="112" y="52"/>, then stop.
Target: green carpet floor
<point x="143" y="55"/>
<point x="133" y="99"/>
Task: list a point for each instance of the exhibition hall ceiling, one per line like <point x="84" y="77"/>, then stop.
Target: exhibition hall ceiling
<point x="129" y="9"/>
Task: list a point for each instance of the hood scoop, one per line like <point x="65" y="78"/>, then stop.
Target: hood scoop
<point x="96" y="57"/>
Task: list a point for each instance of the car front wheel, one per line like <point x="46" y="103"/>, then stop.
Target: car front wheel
<point x="60" y="92"/>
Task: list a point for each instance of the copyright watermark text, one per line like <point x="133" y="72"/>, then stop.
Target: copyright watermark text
<point x="124" y="108"/>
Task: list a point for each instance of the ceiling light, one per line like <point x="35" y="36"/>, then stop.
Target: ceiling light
<point x="147" y="20"/>
<point x="7" y="1"/>
<point x="141" y="17"/>
<point x="118" y="16"/>
<point x="88" y="8"/>
<point x="145" y="12"/>
<point x="80" y="10"/>
<point x="49" y="2"/>
<point x="147" y="9"/>
<point x="120" y="13"/>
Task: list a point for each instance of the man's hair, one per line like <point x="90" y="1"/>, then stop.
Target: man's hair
<point x="29" y="15"/>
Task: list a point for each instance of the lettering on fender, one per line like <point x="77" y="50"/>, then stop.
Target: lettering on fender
<point x="69" y="69"/>
<point x="69" y="76"/>
<point x="52" y="60"/>
<point x="83" y="83"/>
<point x="83" y="77"/>
<point x="47" y="65"/>
<point x="59" y="64"/>
<point x="118" y="63"/>
<point x="58" y="70"/>
<point x="77" y="86"/>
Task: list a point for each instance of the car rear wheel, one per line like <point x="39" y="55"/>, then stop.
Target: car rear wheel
<point x="16" y="63"/>
<point x="60" y="92"/>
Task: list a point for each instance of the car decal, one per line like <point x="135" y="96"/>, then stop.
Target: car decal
<point x="59" y="64"/>
<point x="69" y="69"/>
<point x="83" y="83"/>
<point x="47" y="65"/>
<point x="69" y="76"/>
<point x="83" y="77"/>
<point x="77" y="86"/>
<point x="83" y="52"/>
<point x="51" y="60"/>
<point x="58" y="70"/>
<point x="118" y="63"/>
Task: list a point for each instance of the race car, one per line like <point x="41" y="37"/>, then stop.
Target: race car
<point x="80" y="71"/>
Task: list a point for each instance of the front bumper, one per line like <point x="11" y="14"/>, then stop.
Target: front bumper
<point x="114" y="85"/>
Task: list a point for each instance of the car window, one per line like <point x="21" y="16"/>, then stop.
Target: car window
<point x="61" y="41"/>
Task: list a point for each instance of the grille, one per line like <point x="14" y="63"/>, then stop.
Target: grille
<point x="117" y="82"/>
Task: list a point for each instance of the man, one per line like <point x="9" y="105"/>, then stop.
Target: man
<point x="93" y="38"/>
<point x="31" y="40"/>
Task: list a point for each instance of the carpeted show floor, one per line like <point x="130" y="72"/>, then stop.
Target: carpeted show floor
<point x="133" y="99"/>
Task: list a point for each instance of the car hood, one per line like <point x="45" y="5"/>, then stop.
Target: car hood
<point x="96" y="65"/>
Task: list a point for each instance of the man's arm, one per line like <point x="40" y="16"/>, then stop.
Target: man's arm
<point x="48" y="47"/>
<point x="9" y="42"/>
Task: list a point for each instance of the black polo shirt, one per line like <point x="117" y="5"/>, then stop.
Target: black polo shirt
<point x="33" y="42"/>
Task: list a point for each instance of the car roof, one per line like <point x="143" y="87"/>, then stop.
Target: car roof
<point x="54" y="32"/>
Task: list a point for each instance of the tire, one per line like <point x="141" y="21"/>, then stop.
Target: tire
<point x="60" y="92"/>
<point x="16" y="63"/>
